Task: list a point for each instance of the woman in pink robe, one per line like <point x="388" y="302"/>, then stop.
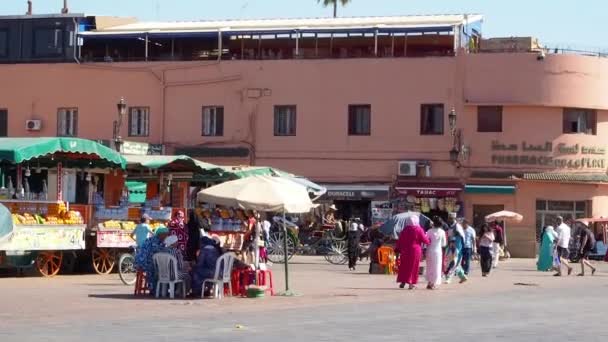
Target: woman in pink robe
<point x="409" y="247"/>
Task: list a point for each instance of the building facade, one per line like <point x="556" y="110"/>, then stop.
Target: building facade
<point x="440" y="126"/>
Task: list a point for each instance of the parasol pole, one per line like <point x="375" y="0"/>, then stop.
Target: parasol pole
<point x="288" y="292"/>
<point x="285" y="254"/>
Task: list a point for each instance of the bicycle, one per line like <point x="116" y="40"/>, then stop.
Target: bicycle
<point x="126" y="268"/>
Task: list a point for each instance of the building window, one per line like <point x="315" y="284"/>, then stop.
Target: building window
<point x="489" y="119"/>
<point x="285" y="120"/>
<point x="67" y="122"/>
<point x="139" y="121"/>
<point x="431" y="119"/>
<point x="359" y="119"/>
<point x="548" y="211"/>
<point x="48" y="42"/>
<point x="3" y="43"/>
<point x="213" y="121"/>
<point x="3" y="123"/>
<point x="578" y="120"/>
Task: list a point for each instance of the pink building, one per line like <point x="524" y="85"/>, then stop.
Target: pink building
<point x="417" y="109"/>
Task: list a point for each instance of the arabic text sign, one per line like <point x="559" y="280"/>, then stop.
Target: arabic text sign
<point x="547" y="155"/>
<point x="45" y="238"/>
<point x="114" y="239"/>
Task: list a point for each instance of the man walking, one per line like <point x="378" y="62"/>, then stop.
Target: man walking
<point x="563" y="241"/>
<point x="499" y="240"/>
<point x="587" y="244"/>
<point x="470" y="246"/>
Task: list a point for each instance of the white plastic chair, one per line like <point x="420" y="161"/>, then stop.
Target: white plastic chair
<point x="223" y="273"/>
<point x="166" y="268"/>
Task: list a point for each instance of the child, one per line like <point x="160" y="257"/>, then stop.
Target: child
<point x="453" y="260"/>
<point x="142" y="231"/>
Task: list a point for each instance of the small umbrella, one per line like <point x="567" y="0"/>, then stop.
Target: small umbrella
<point x="505" y="216"/>
<point x="262" y="193"/>
<point x="395" y="225"/>
<point x="6" y="223"/>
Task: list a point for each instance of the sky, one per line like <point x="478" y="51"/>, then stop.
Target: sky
<point x="579" y="24"/>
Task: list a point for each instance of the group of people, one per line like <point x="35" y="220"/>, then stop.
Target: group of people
<point x="449" y="250"/>
<point x="196" y="253"/>
<point x="555" y="248"/>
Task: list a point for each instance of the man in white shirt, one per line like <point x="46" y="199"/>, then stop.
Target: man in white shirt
<point x="470" y="246"/>
<point x="563" y="242"/>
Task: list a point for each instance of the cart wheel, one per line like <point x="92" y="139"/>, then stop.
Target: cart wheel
<point x="48" y="263"/>
<point x="103" y="260"/>
<point x="337" y="254"/>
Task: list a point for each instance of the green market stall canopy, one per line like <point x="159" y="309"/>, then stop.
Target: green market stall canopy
<point x="49" y="151"/>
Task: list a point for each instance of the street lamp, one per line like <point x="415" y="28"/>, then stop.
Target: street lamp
<point x="122" y="111"/>
<point x="452" y="121"/>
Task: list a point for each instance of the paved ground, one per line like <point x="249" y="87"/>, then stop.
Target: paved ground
<point x="335" y="305"/>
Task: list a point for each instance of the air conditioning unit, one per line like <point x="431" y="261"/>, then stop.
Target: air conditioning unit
<point x="33" y="125"/>
<point x="407" y="168"/>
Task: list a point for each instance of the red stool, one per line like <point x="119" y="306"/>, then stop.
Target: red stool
<point x="141" y="286"/>
<point x="265" y="279"/>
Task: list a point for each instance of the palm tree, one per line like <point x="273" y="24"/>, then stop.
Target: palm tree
<point x="334" y="3"/>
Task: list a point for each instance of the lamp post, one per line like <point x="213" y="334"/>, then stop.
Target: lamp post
<point x="122" y="111"/>
<point x="452" y="121"/>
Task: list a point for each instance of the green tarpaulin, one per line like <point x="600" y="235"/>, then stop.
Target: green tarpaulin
<point x="137" y="191"/>
<point x="171" y="163"/>
<point x="19" y="150"/>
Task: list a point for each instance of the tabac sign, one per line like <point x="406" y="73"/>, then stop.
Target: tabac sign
<point x="549" y="155"/>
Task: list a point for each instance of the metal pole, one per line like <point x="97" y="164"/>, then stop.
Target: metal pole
<point x="376" y="43"/>
<point x="297" y="44"/>
<point x="146" y="50"/>
<point x="285" y="253"/>
<point x="219" y="45"/>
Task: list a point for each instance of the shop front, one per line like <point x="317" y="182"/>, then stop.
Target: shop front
<point x="431" y="199"/>
<point x="369" y="202"/>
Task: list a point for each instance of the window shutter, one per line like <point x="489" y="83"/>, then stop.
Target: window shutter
<point x="131" y="132"/>
<point x="277" y="116"/>
<point x="147" y="122"/>
<point x="75" y="122"/>
<point x="59" y="133"/>
<point x="3" y="123"/>
<point x="219" y="122"/>
<point x="351" y="120"/>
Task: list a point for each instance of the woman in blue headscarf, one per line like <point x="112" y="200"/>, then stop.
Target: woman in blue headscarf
<point x="545" y="256"/>
<point x="144" y="258"/>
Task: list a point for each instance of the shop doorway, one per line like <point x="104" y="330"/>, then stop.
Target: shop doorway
<point x="354" y="209"/>
<point x="481" y="211"/>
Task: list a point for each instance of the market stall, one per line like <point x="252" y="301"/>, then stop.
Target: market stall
<point x="154" y="185"/>
<point x="40" y="178"/>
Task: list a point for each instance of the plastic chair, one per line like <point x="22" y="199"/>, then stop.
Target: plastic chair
<point x="386" y="258"/>
<point x="166" y="267"/>
<point x="265" y="279"/>
<point x="223" y="272"/>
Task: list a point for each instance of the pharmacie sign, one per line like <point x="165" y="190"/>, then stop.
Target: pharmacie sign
<point x="548" y="154"/>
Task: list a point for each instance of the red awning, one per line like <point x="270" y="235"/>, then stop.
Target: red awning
<point x="429" y="189"/>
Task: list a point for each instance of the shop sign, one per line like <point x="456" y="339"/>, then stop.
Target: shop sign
<point x="428" y="193"/>
<point x="355" y="195"/>
<point x="141" y="149"/>
<point x="114" y="239"/>
<point x="546" y="154"/>
<point x="27" y="238"/>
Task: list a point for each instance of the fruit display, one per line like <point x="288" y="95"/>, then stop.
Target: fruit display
<point x="63" y="217"/>
<point x="126" y="225"/>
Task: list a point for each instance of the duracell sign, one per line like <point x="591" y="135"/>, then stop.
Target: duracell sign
<point x="355" y="194"/>
<point x="547" y="155"/>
